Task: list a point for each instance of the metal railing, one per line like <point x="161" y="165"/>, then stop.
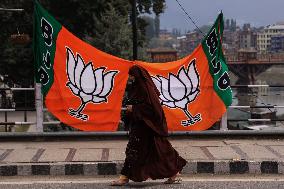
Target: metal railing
<point x="39" y="109"/>
<point x="11" y="108"/>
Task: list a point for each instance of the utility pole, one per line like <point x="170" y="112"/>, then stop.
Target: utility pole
<point x="134" y="28"/>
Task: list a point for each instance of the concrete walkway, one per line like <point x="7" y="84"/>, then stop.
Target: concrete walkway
<point x="105" y="157"/>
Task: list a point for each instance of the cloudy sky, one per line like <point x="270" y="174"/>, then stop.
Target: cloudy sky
<point x="256" y="12"/>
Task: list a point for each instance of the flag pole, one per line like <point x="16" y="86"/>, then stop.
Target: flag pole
<point x="134" y="28"/>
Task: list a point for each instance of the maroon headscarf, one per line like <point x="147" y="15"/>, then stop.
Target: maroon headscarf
<point x="150" y="110"/>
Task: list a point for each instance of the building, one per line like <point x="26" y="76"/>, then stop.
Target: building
<point x="277" y="44"/>
<point x="181" y="45"/>
<point x="264" y="37"/>
<point x="230" y="25"/>
<point x="247" y="54"/>
<point x="163" y="54"/>
<point x="231" y="43"/>
<point x="247" y="38"/>
<point x="189" y="42"/>
<point x="165" y="35"/>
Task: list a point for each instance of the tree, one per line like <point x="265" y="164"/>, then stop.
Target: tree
<point x="150" y="27"/>
<point x="16" y="60"/>
<point x="85" y="18"/>
<point x="113" y="39"/>
<point x="157" y="26"/>
<point x="145" y="6"/>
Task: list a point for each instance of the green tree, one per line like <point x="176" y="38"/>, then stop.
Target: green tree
<point x="113" y="39"/>
<point x="145" y="6"/>
<point x="85" y="18"/>
<point x="16" y="60"/>
<point x="150" y="28"/>
<point x="157" y="26"/>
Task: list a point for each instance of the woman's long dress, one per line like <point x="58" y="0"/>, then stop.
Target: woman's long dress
<point x="149" y="155"/>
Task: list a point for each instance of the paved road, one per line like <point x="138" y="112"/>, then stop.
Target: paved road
<point x="105" y="157"/>
<point x="192" y="182"/>
<point x="113" y="150"/>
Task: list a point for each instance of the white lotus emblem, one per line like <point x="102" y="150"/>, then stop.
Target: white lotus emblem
<point x="91" y="86"/>
<point x="178" y="91"/>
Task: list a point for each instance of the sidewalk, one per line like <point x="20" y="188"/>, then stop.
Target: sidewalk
<point x="105" y="157"/>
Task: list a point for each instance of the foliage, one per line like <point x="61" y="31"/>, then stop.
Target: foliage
<point x="16" y="60"/>
<point x="158" y="43"/>
<point x="152" y="26"/>
<point x="115" y="38"/>
<point x="104" y="23"/>
<point x="145" y="6"/>
<point x="150" y="29"/>
<point x="157" y="25"/>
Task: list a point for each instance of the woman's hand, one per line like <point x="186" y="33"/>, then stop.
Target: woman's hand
<point x="129" y="108"/>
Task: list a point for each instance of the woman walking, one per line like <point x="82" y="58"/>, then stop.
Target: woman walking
<point x="148" y="153"/>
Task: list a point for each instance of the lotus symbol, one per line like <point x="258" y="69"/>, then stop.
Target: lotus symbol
<point x="179" y="90"/>
<point x="91" y="86"/>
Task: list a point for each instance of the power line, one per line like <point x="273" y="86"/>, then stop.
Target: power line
<point x="189" y="17"/>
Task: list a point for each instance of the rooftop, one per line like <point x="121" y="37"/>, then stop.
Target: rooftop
<point x="275" y="27"/>
<point x="162" y="50"/>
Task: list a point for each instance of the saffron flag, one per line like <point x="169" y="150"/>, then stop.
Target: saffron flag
<point x="83" y="87"/>
<point x="195" y="91"/>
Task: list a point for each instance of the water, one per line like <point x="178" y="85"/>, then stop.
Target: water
<point x="260" y="96"/>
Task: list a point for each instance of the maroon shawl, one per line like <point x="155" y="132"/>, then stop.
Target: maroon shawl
<point x="149" y="109"/>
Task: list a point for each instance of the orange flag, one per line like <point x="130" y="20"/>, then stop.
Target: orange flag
<point x="195" y="91"/>
<point x="187" y="94"/>
<point x="88" y="87"/>
<point x="83" y="87"/>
